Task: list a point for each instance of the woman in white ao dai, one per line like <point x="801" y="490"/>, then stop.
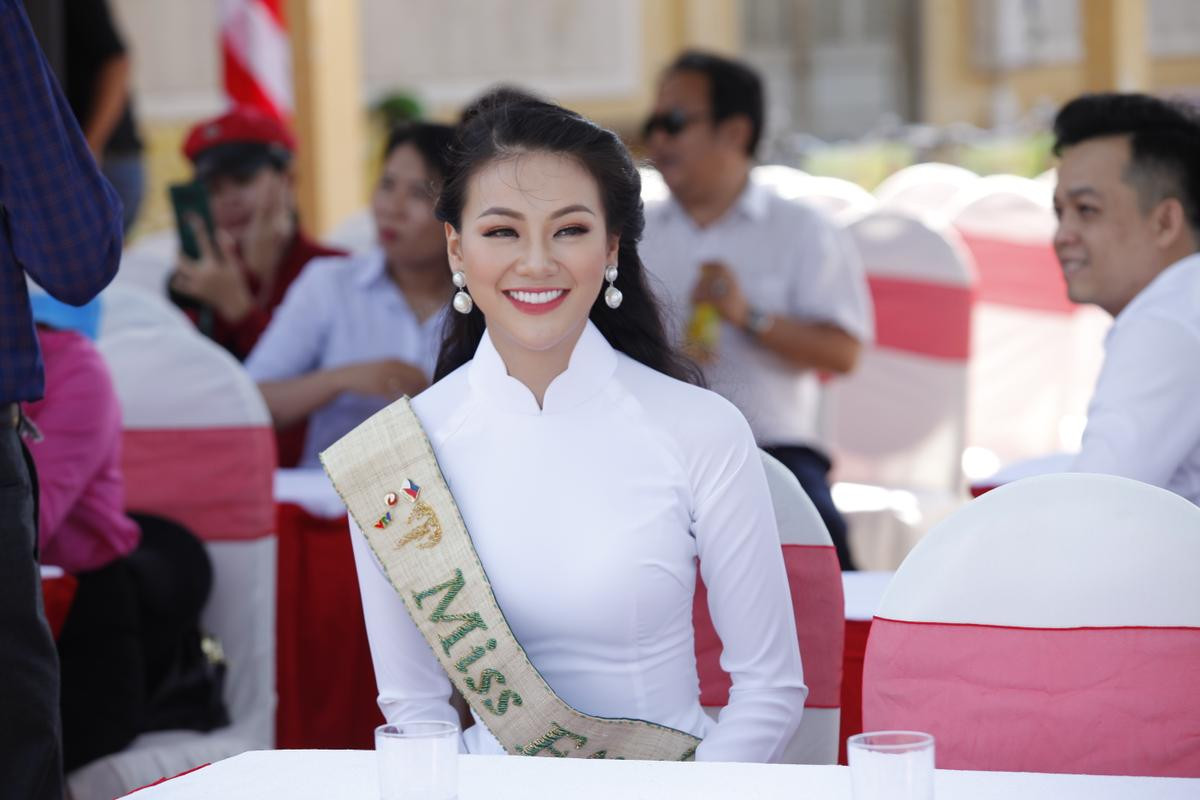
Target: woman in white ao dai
<point x="591" y="480"/>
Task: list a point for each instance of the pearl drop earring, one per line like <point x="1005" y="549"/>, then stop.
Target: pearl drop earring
<point x="612" y="295"/>
<point x="462" y="301"/>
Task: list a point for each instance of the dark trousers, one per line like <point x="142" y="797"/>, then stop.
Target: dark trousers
<point x="30" y="753"/>
<point x="811" y="468"/>
<point x="122" y="636"/>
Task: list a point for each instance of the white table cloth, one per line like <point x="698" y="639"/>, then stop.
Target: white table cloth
<point x="351" y="775"/>
<point x="862" y="591"/>
<point x="310" y="489"/>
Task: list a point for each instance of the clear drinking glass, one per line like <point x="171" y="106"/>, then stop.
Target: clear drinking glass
<point x="417" y="760"/>
<point x="891" y="765"/>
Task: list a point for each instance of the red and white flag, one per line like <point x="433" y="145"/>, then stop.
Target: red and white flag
<point x="257" y="55"/>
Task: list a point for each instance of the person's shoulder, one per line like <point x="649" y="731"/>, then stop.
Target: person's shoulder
<point x="328" y="273"/>
<point x="310" y="249"/>
<point x="71" y="359"/>
<point x="1170" y="308"/>
<point x="440" y="402"/>
<point x="793" y="214"/>
<point x="692" y="414"/>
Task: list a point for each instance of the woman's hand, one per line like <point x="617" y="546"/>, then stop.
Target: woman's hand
<point x="271" y="228"/>
<point x="214" y="279"/>
<point x="386" y="378"/>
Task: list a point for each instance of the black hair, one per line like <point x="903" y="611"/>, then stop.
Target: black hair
<point x="240" y="159"/>
<point x="733" y="88"/>
<point x="431" y="140"/>
<point x="508" y="123"/>
<point x="1164" y="144"/>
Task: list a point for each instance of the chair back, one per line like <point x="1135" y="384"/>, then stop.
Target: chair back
<point x="1030" y="352"/>
<point x="127" y="306"/>
<point x="899" y="419"/>
<point x="199" y="449"/>
<point x="923" y="190"/>
<point x="148" y="262"/>
<point x="1051" y="625"/>
<point x="815" y="581"/>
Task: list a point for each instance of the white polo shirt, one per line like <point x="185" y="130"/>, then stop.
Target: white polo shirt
<point x="790" y="261"/>
<point x="342" y="310"/>
<point x="1144" y="418"/>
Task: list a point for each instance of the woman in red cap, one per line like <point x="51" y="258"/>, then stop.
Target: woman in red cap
<point x="243" y="158"/>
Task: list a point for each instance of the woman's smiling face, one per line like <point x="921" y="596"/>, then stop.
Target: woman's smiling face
<point x="533" y="245"/>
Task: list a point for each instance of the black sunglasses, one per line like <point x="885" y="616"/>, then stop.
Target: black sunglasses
<point x="671" y="122"/>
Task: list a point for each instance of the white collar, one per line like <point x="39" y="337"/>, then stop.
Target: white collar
<point x="1167" y="282"/>
<point x="592" y="364"/>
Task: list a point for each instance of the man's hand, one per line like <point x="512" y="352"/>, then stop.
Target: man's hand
<point x="271" y="227"/>
<point x="389" y="378"/>
<point x="718" y="286"/>
<point x="214" y="279"/>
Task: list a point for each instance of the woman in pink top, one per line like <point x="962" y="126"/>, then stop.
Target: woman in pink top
<point x="142" y="580"/>
<point x="82" y="524"/>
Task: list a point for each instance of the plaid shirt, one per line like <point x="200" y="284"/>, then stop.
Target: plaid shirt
<point x="60" y="221"/>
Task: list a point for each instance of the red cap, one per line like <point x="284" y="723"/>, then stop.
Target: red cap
<point x="241" y="125"/>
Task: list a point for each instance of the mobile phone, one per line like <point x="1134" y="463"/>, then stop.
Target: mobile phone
<point x="188" y="200"/>
<point x="191" y="200"/>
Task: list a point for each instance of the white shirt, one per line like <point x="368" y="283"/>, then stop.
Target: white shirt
<point x="1144" y="418"/>
<point x="790" y="261"/>
<point x="589" y="515"/>
<point x="342" y="310"/>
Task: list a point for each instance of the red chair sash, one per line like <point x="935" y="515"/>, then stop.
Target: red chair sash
<point x="1104" y="701"/>
<point x="815" y="580"/>
<point x="217" y="482"/>
<point x="1021" y="275"/>
<point x="928" y="319"/>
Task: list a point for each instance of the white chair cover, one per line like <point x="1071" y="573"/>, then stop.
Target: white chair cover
<point x="816" y="584"/>
<point x="1052" y="625"/>
<point x="898" y="422"/>
<point x="148" y="262"/>
<point x="198" y="448"/>
<point x="841" y="199"/>
<point x="923" y="189"/>
<point x="126" y="306"/>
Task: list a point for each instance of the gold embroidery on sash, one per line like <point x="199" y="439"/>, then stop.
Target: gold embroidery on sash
<point x="425" y="526"/>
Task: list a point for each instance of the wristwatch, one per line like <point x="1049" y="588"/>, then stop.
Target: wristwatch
<point x="758" y="323"/>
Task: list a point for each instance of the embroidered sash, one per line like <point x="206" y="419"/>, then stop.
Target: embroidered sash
<point x="388" y="476"/>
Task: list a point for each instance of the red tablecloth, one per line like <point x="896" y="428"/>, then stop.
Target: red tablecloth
<point x="852" y="671"/>
<point x="324" y="677"/>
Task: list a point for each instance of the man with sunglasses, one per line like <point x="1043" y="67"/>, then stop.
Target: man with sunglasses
<point x="785" y="296"/>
